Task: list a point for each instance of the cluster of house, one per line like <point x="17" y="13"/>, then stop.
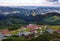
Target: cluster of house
<point x="31" y="30"/>
<point x="3" y="33"/>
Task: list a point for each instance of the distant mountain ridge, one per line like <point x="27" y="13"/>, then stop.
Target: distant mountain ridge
<point x="23" y="10"/>
<point x="26" y="16"/>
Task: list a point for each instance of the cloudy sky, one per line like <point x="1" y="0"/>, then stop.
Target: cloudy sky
<point x="29" y="2"/>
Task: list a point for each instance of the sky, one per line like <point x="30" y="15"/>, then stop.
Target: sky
<point x="29" y="2"/>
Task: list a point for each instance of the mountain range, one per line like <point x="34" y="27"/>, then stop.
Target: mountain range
<point x="10" y="16"/>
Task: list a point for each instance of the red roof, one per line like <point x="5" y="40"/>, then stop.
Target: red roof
<point x="5" y="31"/>
<point x="32" y="26"/>
<point x="58" y="31"/>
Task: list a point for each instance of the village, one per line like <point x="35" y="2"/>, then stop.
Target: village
<point x="29" y="31"/>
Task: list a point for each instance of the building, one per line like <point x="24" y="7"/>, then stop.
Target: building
<point x="58" y="31"/>
<point x="23" y="33"/>
<point x="32" y="26"/>
<point x="2" y="36"/>
<point x="49" y="30"/>
<point x="5" y="31"/>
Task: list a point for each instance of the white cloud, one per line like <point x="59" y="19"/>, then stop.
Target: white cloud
<point x="25" y="2"/>
<point x="20" y="1"/>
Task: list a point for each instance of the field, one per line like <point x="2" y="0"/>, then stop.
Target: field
<point x="57" y="27"/>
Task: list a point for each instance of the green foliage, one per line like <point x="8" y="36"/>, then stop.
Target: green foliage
<point x="15" y="39"/>
<point x="44" y="37"/>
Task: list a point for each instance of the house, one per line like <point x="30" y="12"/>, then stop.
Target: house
<point x="57" y="39"/>
<point x="7" y="35"/>
<point x="36" y="28"/>
<point x="2" y="36"/>
<point x="49" y="30"/>
<point x="29" y="36"/>
<point x="32" y="26"/>
<point x="23" y="33"/>
<point x="5" y="31"/>
<point x="58" y="31"/>
<point x="23" y="28"/>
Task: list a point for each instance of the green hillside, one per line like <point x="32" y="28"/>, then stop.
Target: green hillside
<point x="52" y="20"/>
<point x="12" y="22"/>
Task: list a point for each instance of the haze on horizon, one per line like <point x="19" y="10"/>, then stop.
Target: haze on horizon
<point x="29" y="3"/>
